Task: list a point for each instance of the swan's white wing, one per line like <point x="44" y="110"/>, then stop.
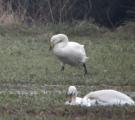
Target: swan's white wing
<point x="78" y="47"/>
<point x="73" y="53"/>
<point x="109" y="97"/>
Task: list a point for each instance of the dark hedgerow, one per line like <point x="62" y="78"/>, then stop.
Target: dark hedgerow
<point x="106" y="12"/>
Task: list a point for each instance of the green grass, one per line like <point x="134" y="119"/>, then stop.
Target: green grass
<point x="51" y="107"/>
<point x="25" y="59"/>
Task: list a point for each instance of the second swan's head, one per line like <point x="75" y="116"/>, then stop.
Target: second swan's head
<point x="72" y="93"/>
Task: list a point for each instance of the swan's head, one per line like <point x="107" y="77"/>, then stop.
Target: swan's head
<point x="72" y="93"/>
<point x="58" y="38"/>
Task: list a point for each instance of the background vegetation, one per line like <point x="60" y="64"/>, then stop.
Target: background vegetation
<point x="110" y="13"/>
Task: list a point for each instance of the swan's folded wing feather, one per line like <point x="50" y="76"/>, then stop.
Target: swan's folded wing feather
<point x="110" y="97"/>
<point x="73" y="53"/>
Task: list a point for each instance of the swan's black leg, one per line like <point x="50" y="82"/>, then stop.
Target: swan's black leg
<point x="62" y="68"/>
<point x="85" y="69"/>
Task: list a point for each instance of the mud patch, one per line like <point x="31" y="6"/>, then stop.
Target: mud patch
<point x="80" y="113"/>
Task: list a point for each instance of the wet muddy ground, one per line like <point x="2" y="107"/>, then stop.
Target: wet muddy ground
<point x="33" y="89"/>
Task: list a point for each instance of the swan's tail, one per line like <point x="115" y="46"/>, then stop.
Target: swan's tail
<point x="86" y="58"/>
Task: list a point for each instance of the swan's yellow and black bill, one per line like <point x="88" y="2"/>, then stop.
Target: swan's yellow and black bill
<point x="51" y="46"/>
<point x="71" y="98"/>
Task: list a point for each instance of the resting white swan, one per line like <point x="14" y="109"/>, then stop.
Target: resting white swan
<point x="74" y="100"/>
<point x="67" y="52"/>
<point x="100" y="97"/>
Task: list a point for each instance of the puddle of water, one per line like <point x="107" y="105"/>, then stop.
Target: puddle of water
<point x="33" y="89"/>
<point x="34" y="92"/>
<point x="29" y="93"/>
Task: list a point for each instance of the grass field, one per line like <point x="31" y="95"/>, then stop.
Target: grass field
<point x="25" y="59"/>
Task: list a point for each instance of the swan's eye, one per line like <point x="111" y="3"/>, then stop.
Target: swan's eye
<point x="70" y="94"/>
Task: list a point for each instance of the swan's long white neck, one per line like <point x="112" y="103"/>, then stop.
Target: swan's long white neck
<point x="59" y="40"/>
<point x="72" y="99"/>
<point x="61" y="44"/>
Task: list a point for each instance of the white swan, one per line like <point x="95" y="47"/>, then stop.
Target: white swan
<point x="71" y="53"/>
<point x="100" y="97"/>
<point x="74" y="100"/>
